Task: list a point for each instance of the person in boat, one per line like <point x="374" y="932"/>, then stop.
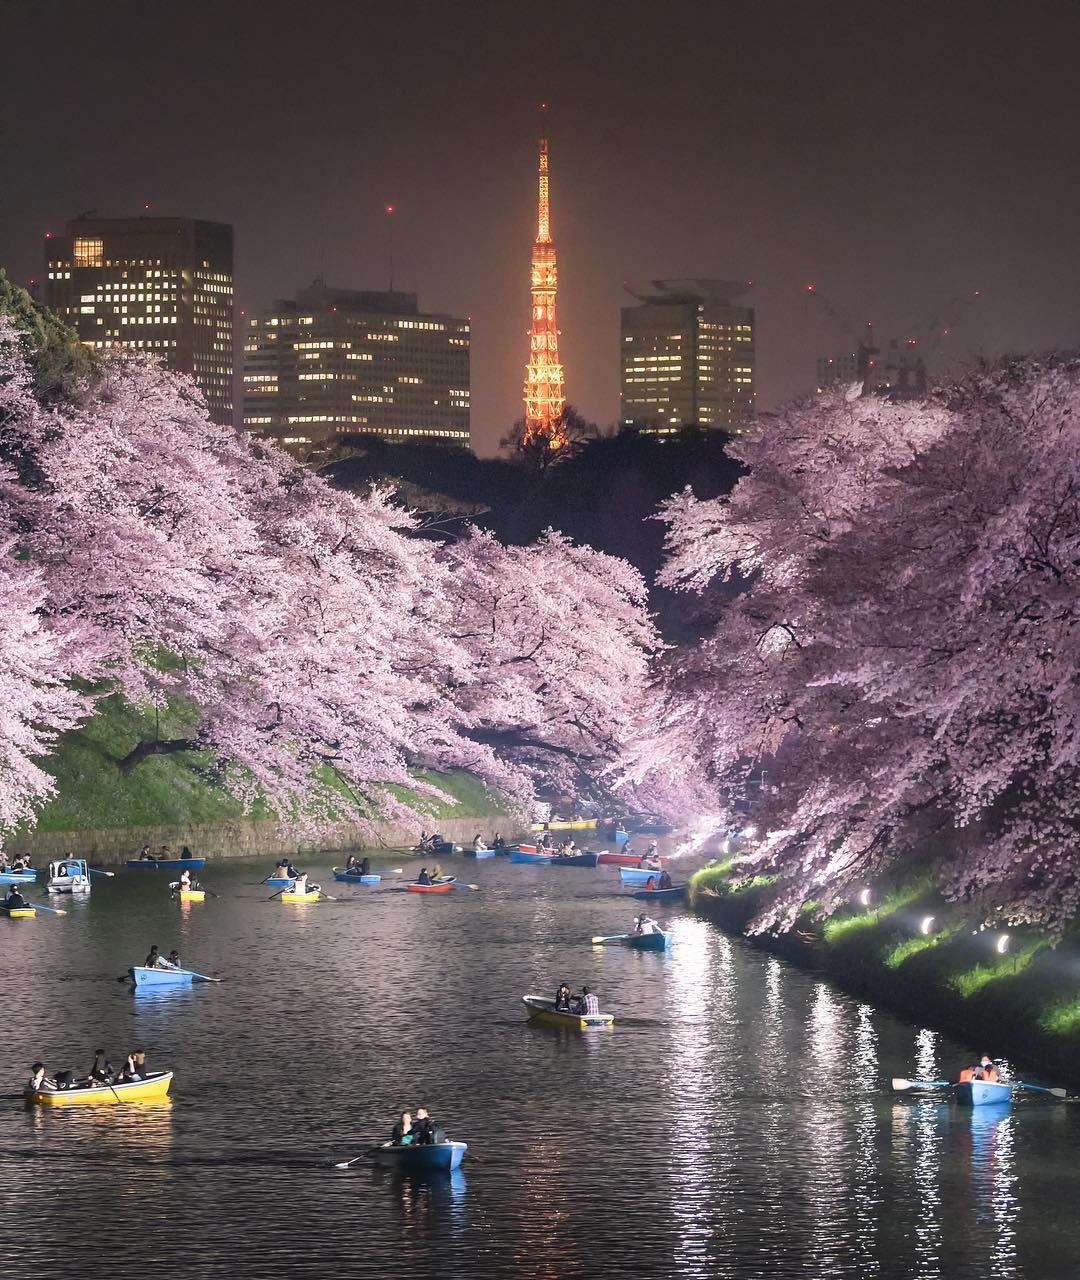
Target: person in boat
<point x="134" y="1067"/>
<point x="173" y="961"/>
<point x="39" y="1081"/>
<point x="20" y="863"/>
<point x="185" y="879"/>
<point x="562" y="999"/>
<point x="401" y="1134"/>
<point x="423" y="877"/>
<point x="352" y="867"/>
<point x="425" y="1131"/>
<point x="498" y="844"/>
<point x="665" y="881"/>
<point x="986" y="1070"/>
<point x="185" y="852"/>
<point x="101" y="1072"/>
<point x="650" y="883"/>
<point x="153" y="960"/>
<point x="436" y="873"/>
<point x="645" y="924"/>
<point x="300" y="884"/>
<point x="145" y="855"/>
<point x="478" y="843"/>
<point x="365" y="867"/>
<point x="164" y="853"/>
<point x="13" y="899"/>
<point x="589" y="1002"/>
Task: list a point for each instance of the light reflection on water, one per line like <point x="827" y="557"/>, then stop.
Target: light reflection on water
<point x="736" y="1122"/>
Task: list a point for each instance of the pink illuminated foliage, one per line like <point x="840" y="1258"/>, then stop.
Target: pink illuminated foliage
<point x="321" y="649"/>
<point x="900" y="643"/>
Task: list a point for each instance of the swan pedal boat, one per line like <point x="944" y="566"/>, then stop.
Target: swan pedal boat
<point x="431" y="1157"/>
<point x="168" y="864"/>
<point x="542" y="1009"/>
<point x="353" y="877"/>
<point x="440" y="886"/>
<point x="312" y="895"/>
<point x="981" y="1093"/>
<point x="19" y="913"/>
<point x="154" y="1085"/>
<point x="69" y="875"/>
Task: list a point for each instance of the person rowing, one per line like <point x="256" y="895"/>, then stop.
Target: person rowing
<point x="425" y="1131"/>
<point x="186" y="881"/>
<point x="665" y="881"/>
<point x="39" y="1081"/>
<point x="352" y="867"/>
<point x="423" y="877"/>
<point x="986" y="1070"/>
<point x="645" y="925"/>
<point x="300" y="883"/>
<point x="562" y="999"/>
<point x="498" y="844"/>
<point x="101" y="1072"/>
<point x="13" y="899"/>
<point x="436" y="874"/>
<point x="478" y="844"/>
<point x="589" y="1002"/>
<point x="173" y="962"/>
<point x="153" y="960"/>
<point x="401" y="1134"/>
<point x="365" y="867"/>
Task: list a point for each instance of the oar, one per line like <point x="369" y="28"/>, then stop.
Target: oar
<point x="1058" y="1093"/>
<point x="40" y="906"/>
<point x="202" y="976"/>
<point x="614" y="937"/>
<point x="97" y="871"/>
<point x="901" y="1085"/>
<point x="278" y="894"/>
<point x="347" y="1164"/>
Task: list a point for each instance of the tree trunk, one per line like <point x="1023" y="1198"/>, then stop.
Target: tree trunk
<point x="155" y="747"/>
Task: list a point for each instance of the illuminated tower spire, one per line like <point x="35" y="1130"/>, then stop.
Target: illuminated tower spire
<point x="544" y="398"/>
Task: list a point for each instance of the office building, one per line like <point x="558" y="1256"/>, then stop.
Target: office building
<point x="688" y="357"/>
<point x="161" y="285"/>
<point x="898" y="374"/>
<point x="336" y="362"/>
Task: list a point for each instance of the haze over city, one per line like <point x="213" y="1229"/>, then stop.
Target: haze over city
<point x="843" y="145"/>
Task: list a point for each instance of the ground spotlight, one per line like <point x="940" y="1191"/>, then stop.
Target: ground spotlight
<point x="864" y="897"/>
<point x="1002" y="944"/>
<point x="926" y="924"/>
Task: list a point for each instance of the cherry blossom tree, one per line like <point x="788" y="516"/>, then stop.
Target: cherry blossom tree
<point x="900" y="642"/>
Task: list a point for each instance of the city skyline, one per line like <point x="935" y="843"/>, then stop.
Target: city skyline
<point x="807" y="160"/>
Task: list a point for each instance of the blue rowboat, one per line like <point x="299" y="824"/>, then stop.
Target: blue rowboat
<point x="638" y="875"/>
<point x="279" y="882"/>
<point x="523" y="855"/>
<point x="432" y="1157"/>
<point x="576" y="860"/>
<point x="621" y="837"/>
<point x="982" y="1093"/>
<point x="18" y="877"/>
<point x="168" y="864"/>
<point x="649" y="941"/>
<point x="480" y="853"/>
<point x="677" y="893"/>
<point x="351" y="877"/>
<point x="160" y="977"/>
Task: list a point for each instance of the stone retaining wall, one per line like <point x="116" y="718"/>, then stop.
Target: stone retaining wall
<point x="238" y="839"/>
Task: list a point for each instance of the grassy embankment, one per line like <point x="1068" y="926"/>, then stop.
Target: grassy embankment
<point x="1024" y="1001"/>
<point x="93" y="794"/>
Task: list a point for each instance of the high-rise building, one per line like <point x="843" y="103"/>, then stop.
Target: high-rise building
<point x="161" y="285"/>
<point x="899" y="375"/>
<point x="337" y="362"/>
<point x="688" y="357"/>
<point x="544" y="400"/>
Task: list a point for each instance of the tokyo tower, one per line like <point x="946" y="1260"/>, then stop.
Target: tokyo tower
<point x="544" y="398"/>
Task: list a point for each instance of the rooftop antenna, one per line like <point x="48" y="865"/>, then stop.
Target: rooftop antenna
<point x="390" y="242"/>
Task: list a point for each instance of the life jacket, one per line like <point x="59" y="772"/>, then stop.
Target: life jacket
<point x="967" y="1075"/>
<point x="990" y="1074"/>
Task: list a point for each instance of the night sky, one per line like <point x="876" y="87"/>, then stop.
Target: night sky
<point x="899" y="156"/>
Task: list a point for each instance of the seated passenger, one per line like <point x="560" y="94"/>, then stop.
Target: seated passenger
<point x="153" y="960"/>
<point x="173" y="961"/>
<point x="437" y="874"/>
<point x="423" y="877"/>
<point x="102" y="1070"/>
<point x="986" y="1070"/>
<point x="650" y="883"/>
<point x="185" y="879"/>
<point x="590" y="1004"/>
<point x="300" y="884"/>
<point x="562" y="998"/>
<point x="365" y="867"/>
<point x="39" y="1081"/>
<point x="498" y="844"/>
<point x="401" y="1135"/>
<point x="13" y="899"/>
<point x="425" y="1131"/>
<point x="665" y="881"/>
<point x="646" y="924"/>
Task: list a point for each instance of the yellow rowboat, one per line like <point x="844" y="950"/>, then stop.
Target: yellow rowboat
<point x="542" y="1009"/>
<point x="155" y="1085"/>
<point x="312" y="895"/>
<point x="566" y="824"/>
<point x="20" y="913"/>
<point x="192" y="895"/>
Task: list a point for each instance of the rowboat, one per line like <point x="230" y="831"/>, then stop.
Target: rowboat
<point x="18" y="877"/>
<point x="677" y="893"/>
<point x="441" y="886"/>
<point x="542" y="1009"/>
<point x="433" y="1157"/>
<point x="69" y="875"/>
<point x="650" y="941"/>
<point x="441" y="848"/>
<point x="18" y="913"/>
<point x="530" y="855"/>
<point x="566" y="824"/>
<point x="480" y="853"/>
<point x="143" y="977"/>
<point x="620" y="859"/>
<point x="575" y="860"/>
<point x="312" y="895"/>
<point x="638" y="875"/>
<point x="168" y="864"/>
<point x="279" y="882"/>
<point x="187" y="895"/>
<point x="155" y="1084"/>
<point x="353" y="877"/>
<point x="981" y="1093"/>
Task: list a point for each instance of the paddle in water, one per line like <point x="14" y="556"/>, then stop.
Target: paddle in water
<point x="40" y="906"/>
<point x="900" y="1085"/>
<point x="1041" y="1088"/>
<point x="611" y="937"/>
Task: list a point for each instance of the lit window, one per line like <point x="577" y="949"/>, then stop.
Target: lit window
<point x="89" y="251"/>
